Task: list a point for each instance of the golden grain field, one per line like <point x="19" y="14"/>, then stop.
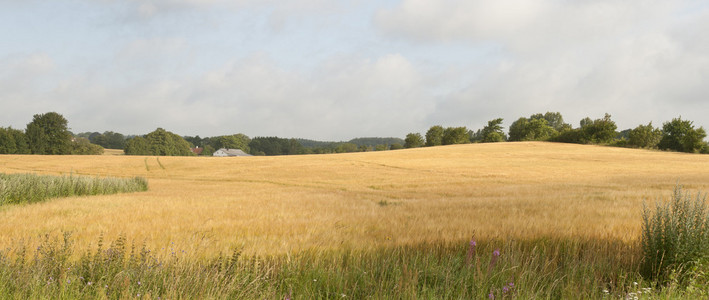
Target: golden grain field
<point x="274" y="205"/>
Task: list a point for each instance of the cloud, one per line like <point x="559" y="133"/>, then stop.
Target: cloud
<point x="340" y="98"/>
<point x="636" y="60"/>
<point x="518" y="24"/>
<point x="25" y="80"/>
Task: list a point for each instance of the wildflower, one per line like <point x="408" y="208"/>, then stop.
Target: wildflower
<point x="89" y="283"/>
<point x="471" y="252"/>
<point x="493" y="261"/>
<point x="491" y="295"/>
<point x="505" y="289"/>
<point x="138" y="282"/>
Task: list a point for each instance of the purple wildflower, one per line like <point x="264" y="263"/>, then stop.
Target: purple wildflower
<point x="471" y="252"/>
<point x="493" y="261"/>
<point x="491" y="295"/>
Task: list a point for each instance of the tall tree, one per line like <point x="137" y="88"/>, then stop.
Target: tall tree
<point x="493" y="133"/>
<point x="599" y="131"/>
<point x="13" y="141"/>
<point x="236" y="141"/>
<point x="159" y="142"/>
<point x="434" y="136"/>
<point x="48" y="134"/>
<point x="536" y="128"/>
<point x="455" y="135"/>
<point x="680" y="135"/>
<point x="413" y="140"/>
<point x="644" y="136"/>
<point x="137" y="146"/>
<point x="82" y="146"/>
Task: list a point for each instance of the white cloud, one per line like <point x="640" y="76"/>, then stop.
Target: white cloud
<point x="339" y="99"/>
<point x="342" y="98"/>
<point x="637" y="60"/>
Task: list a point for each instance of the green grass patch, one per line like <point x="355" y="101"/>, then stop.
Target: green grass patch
<point x="499" y="269"/>
<point x="30" y="188"/>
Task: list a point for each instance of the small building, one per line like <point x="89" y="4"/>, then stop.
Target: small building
<point x="197" y="150"/>
<point x="223" y="152"/>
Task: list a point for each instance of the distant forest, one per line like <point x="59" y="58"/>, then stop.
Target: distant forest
<point x="48" y="134"/>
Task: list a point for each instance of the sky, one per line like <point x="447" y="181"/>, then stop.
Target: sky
<point x="336" y="70"/>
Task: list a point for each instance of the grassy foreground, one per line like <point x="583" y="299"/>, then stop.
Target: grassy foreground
<point x="484" y="269"/>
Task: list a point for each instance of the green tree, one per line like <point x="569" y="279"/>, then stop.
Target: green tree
<point x="570" y="135"/>
<point x="396" y="146"/>
<point x="536" y="128"/>
<point x="275" y="146"/>
<point x="434" y="136"/>
<point x="585" y="122"/>
<point x="539" y="130"/>
<point x="599" y="131"/>
<point x="554" y="120"/>
<point x="493" y="132"/>
<point x="413" y="140"/>
<point x="82" y="146"/>
<point x="209" y="150"/>
<point x="159" y="142"/>
<point x="346" y="147"/>
<point x="48" y="134"/>
<point x="137" y="146"/>
<point x="455" y="135"/>
<point x="164" y="143"/>
<point x="644" y="136"/>
<point x="518" y="130"/>
<point x="236" y="141"/>
<point x="13" y="141"/>
<point x="7" y="142"/>
<point x="114" y="140"/>
<point x="680" y="135"/>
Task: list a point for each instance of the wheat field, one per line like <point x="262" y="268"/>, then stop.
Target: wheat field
<point x="203" y="206"/>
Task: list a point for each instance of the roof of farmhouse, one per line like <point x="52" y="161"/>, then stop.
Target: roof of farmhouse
<point x="233" y="152"/>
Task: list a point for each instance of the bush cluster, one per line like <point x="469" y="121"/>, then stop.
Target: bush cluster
<point x="675" y="237"/>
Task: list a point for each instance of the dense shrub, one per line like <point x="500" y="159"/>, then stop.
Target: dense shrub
<point x="675" y="236"/>
<point x="159" y="142"/>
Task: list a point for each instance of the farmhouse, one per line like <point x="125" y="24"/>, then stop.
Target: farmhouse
<point x="230" y="152"/>
<point x="197" y="150"/>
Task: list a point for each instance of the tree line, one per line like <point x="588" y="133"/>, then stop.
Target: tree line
<point x="49" y="134"/>
<point x="676" y="135"/>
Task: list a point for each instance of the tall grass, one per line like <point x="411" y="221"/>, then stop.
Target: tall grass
<point x="30" y="188"/>
<point x="676" y="235"/>
<point x="569" y="269"/>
